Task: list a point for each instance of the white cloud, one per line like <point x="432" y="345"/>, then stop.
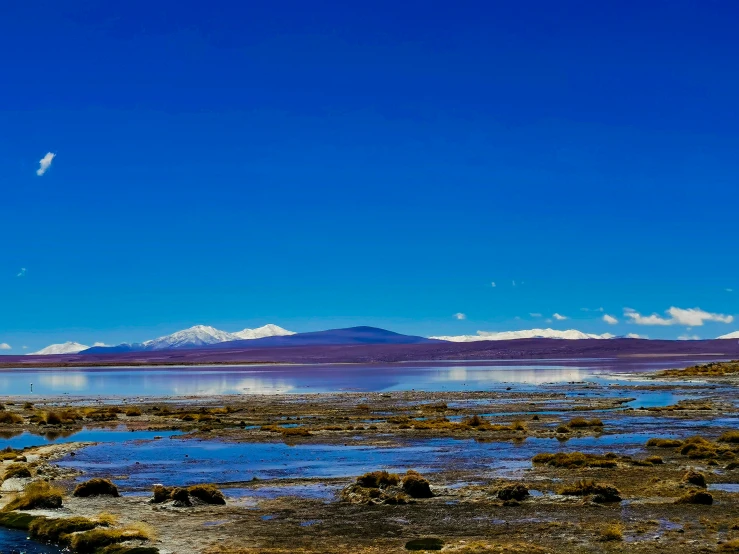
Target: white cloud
<point x="24" y="347"/>
<point x="691" y="317"/>
<point x="636" y="336"/>
<point x="99" y="344"/>
<point x="610" y="319"/>
<point x="688" y="337"/>
<point x="559" y="317"/>
<point x="5" y="346"/>
<point x="535" y="314"/>
<point x="571" y="334"/>
<point x="22" y="272"/>
<point x="45" y="163"/>
<point x="493" y="284"/>
<point x="514" y="283"/>
<point x="460" y="315"/>
<point x="729" y="290"/>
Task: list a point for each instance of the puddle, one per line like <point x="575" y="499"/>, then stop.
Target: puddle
<point x="118" y="435"/>
<point x="310" y="522"/>
<point x="725" y="487"/>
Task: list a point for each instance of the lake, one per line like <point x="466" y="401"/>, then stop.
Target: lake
<point x="281" y="379"/>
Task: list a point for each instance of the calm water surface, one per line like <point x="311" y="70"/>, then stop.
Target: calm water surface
<point x="205" y="381"/>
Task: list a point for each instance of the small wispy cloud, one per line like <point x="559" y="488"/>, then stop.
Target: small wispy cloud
<point x="688" y="337"/>
<point x="22" y="272"/>
<point x="610" y="319"/>
<point x="460" y="315"/>
<point x="513" y="283"/>
<point x="636" y="336"/>
<point x="45" y="163"/>
<point x="24" y="347"/>
<point x="535" y="314"/>
<point x="559" y="317"/>
<point x="5" y="346"/>
<point x="99" y="344"/>
<point x="729" y="290"/>
<point x="690" y="317"/>
<point x="493" y="284"/>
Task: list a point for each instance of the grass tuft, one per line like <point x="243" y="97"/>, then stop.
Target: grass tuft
<point x="96" y="487"/>
<point x="36" y="495"/>
<point x="612" y="532"/>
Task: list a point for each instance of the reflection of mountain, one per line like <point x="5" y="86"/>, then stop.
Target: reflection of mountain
<point x="64" y="381"/>
<point x="529" y="376"/>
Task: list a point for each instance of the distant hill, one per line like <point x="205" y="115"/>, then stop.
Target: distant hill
<point x="350" y="335"/>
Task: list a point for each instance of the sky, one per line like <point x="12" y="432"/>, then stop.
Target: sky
<point x="327" y="164"/>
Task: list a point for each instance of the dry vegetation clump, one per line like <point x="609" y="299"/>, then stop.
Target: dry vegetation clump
<point x="89" y="542"/>
<point x="513" y="491"/>
<point x="729" y="546"/>
<point x="96" y="487"/>
<point x="712" y="369"/>
<point x="580" y="422"/>
<point x="654" y="460"/>
<point x="17" y="470"/>
<point x="416" y="485"/>
<point x="612" y="532"/>
<point x="382" y="487"/>
<point x="471" y="423"/>
<point x="664" y="443"/>
<point x="36" y="495"/>
<point x="729" y="436"/>
<point x="563" y="429"/>
<point x="133" y="411"/>
<point x="696" y="497"/>
<point x="8" y="453"/>
<point x="208" y="494"/>
<point x="588" y="487"/>
<point x="295" y="432"/>
<point x="575" y="460"/>
<point x="10" y="418"/>
<point x="57" y="530"/>
<point x="695" y="478"/>
<point x="378" y="479"/>
<point x="478" y="547"/>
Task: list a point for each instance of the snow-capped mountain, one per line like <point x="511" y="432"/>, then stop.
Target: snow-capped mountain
<point x="268" y="330"/>
<point x="65" y="348"/>
<point x="570" y="334"/>
<point x="198" y="335"/>
<point x="734" y="335"/>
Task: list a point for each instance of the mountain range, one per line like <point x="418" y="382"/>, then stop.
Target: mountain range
<point x="270" y="335"/>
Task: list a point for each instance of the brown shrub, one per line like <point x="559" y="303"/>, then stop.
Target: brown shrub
<point x="207" y="493"/>
<point x="378" y="479"/>
<point x="17" y="470"/>
<point x="513" y="491"/>
<point x="416" y="485"/>
<point x="664" y="443"/>
<point x="10" y="418"/>
<point x="696" y="497"/>
<point x="695" y="478"/>
<point x="96" y="487"/>
<point x="587" y="487"/>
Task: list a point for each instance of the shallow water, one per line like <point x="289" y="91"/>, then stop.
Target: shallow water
<point x="117" y="435"/>
<point x="178" y="462"/>
<point x="275" y="379"/>
<point x="16" y="542"/>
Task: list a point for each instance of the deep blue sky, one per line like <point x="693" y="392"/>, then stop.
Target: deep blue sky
<point x="321" y="164"/>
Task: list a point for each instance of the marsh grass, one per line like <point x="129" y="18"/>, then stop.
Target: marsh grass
<point x="207" y="493"/>
<point x="55" y="529"/>
<point x="10" y="418"/>
<point x="416" y="485"/>
<point x="581" y="422"/>
<point x="96" y="539"/>
<point x="588" y="487"/>
<point x="695" y="478"/>
<point x="612" y="532"/>
<point x="712" y="369"/>
<point x="38" y="494"/>
<point x="573" y="460"/>
<point x="664" y="443"/>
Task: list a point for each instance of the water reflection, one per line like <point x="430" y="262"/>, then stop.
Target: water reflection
<point x="278" y="379"/>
